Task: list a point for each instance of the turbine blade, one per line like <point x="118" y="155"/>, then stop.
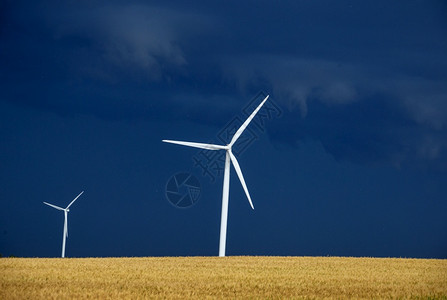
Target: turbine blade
<point x="241" y="177"/>
<point x="197" y="145"/>
<point x="74" y="200"/>
<point x="54" y="206"/>
<point x="242" y="128"/>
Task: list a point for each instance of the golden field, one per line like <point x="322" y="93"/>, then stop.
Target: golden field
<point x="223" y="277"/>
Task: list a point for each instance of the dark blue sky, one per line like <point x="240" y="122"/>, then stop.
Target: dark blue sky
<point x="354" y="162"/>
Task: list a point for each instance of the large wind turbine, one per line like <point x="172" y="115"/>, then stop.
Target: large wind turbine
<point x="66" y="210"/>
<point x="226" y="184"/>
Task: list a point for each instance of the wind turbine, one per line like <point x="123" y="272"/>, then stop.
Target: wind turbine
<point x="66" y="210"/>
<point x="226" y="183"/>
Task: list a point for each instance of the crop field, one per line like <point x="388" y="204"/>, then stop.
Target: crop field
<point x="227" y="277"/>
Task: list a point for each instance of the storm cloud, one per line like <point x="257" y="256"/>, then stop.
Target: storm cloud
<point x="368" y="89"/>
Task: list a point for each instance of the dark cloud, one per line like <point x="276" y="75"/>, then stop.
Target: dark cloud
<point x="373" y="73"/>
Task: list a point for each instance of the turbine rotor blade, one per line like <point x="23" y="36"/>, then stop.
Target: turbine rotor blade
<point x="197" y="145"/>
<point x="242" y="128"/>
<point x="74" y="200"/>
<point x="54" y="206"/>
<point x="241" y="177"/>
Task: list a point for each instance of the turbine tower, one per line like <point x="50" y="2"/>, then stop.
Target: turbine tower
<point x="66" y="210"/>
<point x="226" y="184"/>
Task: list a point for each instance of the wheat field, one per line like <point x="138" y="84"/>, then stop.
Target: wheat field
<point x="228" y="277"/>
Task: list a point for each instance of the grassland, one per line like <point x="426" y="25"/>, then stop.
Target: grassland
<point x="229" y="277"/>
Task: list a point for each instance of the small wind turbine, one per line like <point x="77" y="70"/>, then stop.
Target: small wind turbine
<point x="226" y="184"/>
<point x="66" y="210"/>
